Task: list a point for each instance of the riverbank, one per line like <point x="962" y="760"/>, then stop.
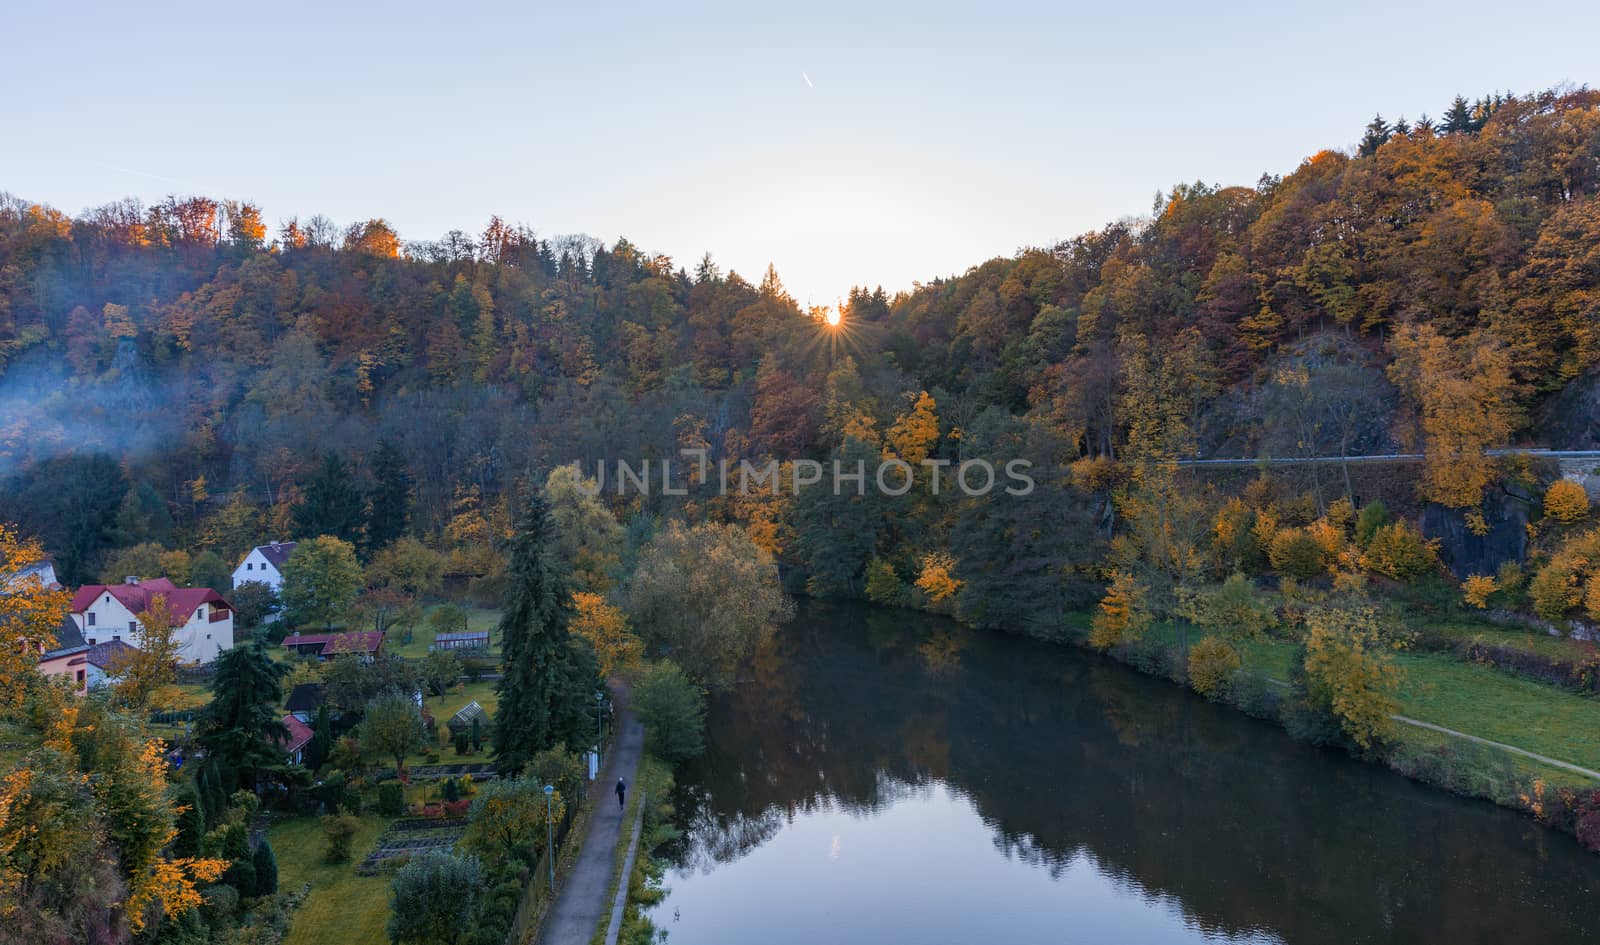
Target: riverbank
<point x="1438" y="692"/>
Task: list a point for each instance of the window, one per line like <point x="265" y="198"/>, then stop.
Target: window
<point x="248" y="566"/>
<point x="90" y="616"/>
<point x="80" y="677"/>
<point x="208" y="636"/>
<point x="133" y="626"/>
<point x="116" y="636"/>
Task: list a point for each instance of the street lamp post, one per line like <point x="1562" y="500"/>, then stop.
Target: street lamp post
<point x="599" y="726"/>
<point x="550" y="835"/>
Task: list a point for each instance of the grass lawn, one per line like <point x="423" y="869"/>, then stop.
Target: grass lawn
<point x="443" y="707"/>
<point x="478" y="618"/>
<point x="1521" y="638"/>
<point x="1468" y="697"/>
<point x="1482" y="701"/>
<point x="343" y="908"/>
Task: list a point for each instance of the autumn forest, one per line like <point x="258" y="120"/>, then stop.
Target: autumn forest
<point x="1377" y="336"/>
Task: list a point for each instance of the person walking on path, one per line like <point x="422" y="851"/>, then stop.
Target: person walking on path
<point x="622" y="791"/>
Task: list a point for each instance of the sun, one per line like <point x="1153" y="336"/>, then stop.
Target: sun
<point x="833" y="317"/>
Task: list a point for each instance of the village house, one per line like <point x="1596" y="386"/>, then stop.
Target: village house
<point x="69" y="658"/>
<point x="367" y="644"/>
<point x="44" y="571"/>
<point x="300" y="735"/>
<point x="264" y="565"/>
<point x="110" y="613"/>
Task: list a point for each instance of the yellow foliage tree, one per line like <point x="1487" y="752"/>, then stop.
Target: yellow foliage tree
<point x="914" y="434"/>
<point x="1122" y="617"/>
<point x="1464" y="392"/>
<point x="146" y="670"/>
<point x="1566" y="501"/>
<point x="1212" y="662"/>
<point x="1477" y="588"/>
<point x="30" y="612"/>
<point x="937" y="578"/>
<point x="606" y="629"/>
<point x="1348" y="664"/>
<point x="1399" y="551"/>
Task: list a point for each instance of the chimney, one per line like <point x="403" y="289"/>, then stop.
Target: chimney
<point x="131" y="579"/>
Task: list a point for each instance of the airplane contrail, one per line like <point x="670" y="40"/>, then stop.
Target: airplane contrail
<point x="808" y="80"/>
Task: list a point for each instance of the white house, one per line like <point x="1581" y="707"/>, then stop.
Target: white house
<point x="44" y="571"/>
<point x="110" y="612"/>
<point x="264" y="564"/>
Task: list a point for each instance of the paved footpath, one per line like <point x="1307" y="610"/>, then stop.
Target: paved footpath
<point x="582" y="901"/>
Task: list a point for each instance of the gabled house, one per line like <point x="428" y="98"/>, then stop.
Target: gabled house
<point x="264" y="564"/>
<point x="69" y="658"/>
<point x="110" y="612"/>
<point x="44" y="571"/>
<point x="300" y="735"/>
<point x="107" y="661"/>
<point x="367" y="644"/>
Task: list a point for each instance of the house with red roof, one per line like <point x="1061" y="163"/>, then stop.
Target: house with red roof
<point x="300" y="735"/>
<point x="367" y="644"/>
<point x="110" y="612"/>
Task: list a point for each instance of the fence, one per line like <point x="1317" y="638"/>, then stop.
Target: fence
<point x="538" y="892"/>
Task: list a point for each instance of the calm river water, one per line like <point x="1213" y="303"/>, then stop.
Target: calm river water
<point x="881" y="776"/>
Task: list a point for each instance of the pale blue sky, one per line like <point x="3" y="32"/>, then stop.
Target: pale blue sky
<point x="930" y="138"/>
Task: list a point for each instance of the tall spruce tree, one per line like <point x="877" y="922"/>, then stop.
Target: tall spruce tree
<point x="241" y="731"/>
<point x="547" y="687"/>
<point x="1378" y="133"/>
<point x="390" y="498"/>
<point x="1458" y="117"/>
<point x="333" y="505"/>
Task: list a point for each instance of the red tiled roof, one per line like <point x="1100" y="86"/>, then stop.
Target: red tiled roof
<point x="364" y="641"/>
<point x="330" y="644"/>
<point x="137" y="597"/>
<point x="299" y="734"/>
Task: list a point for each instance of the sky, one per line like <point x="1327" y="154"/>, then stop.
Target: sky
<point x="859" y="143"/>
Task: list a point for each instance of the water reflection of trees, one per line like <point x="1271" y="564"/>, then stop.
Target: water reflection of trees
<point x="1065" y="756"/>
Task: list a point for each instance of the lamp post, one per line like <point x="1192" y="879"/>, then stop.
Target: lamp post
<point x="599" y="726"/>
<point x="550" y="835"/>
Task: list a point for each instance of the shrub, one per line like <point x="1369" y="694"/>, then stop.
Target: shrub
<point x="1477" y="588"/>
<point x="1554" y="589"/>
<point x="340" y="832"/>
<point x="391" y="799"/>
<point x="1566" y="501"/>
<point x="1399" y="551"/>
<point x="1297" y="553"/>
<point x="1236" y="610"/>
<point x="450" y="790"/>
<point x="1373" y="517"/>
<point x="435" y="897"/>
<point x="562" y="768"/>
<point x="463" y="742"/>
<point x="1121" y="616"/>
<point x="883" y="585"/>
<point x="266" y="864"/>
<point x="1212" y="662"/>
<point x="673" y="712"/>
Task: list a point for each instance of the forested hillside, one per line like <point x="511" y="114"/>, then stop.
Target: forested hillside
<point x="179" y="373"/>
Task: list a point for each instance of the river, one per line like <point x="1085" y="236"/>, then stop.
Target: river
<point x="882" y="776"/>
